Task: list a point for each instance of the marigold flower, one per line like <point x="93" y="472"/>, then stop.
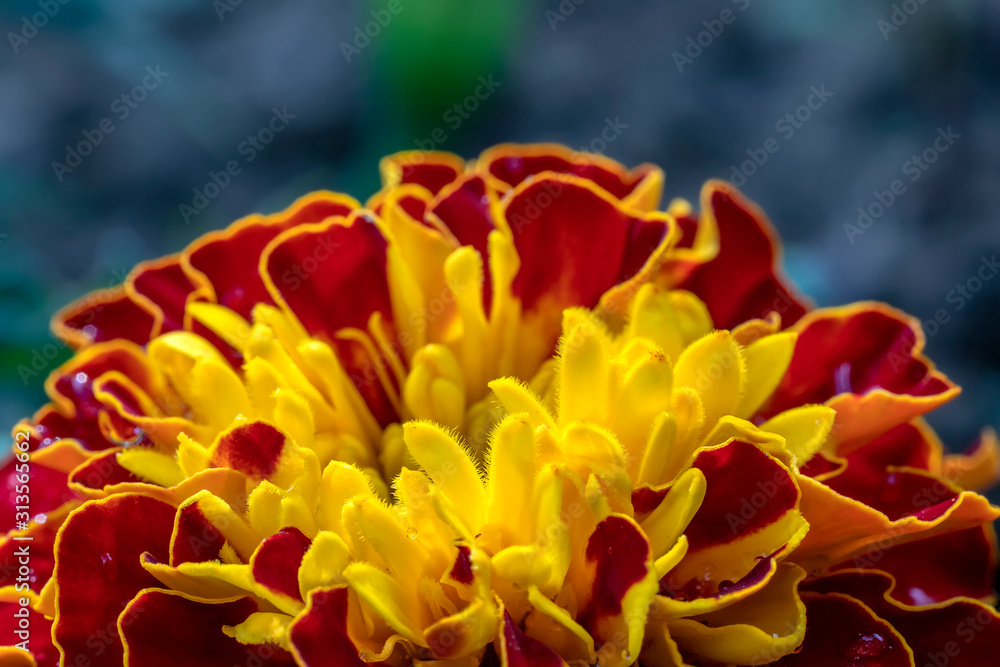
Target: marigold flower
<point x="507" y="412"/>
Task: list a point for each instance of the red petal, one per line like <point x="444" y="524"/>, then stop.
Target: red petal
<point x="574" y="243"/>
<point x="512" y="165"/>
<point x="254" y="448"/>
<point x="276" y="562"/>
<point x="960" y="634"/>
<point x="195" y="539"/>
<point x="897" y="493"/>
<point x="864" y="352"/>
<point x="98" y="571"/>
<point x="742" y="282"/>
<point x="101" y="471"/>
<point x="71" y="388"/>
<point x="38" y="635"/>
<point x="319" y="635"/>
<point x="40" y="549"/>
<point x="343" y="266"/>
<point x="936" y="569"/>
<point x="161" y="288"/>
<point x="840" y="631"/>
<point x="519" y="650"/>
<point x="45" y="490"/>
<point x="166" y="628"/>
<point x="464" y="208"/>
<point x="430" y="169"/>
<point x="227" y="263"/>
<point x="101" y="316"/>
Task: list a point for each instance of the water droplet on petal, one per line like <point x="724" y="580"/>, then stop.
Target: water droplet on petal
<point x="411" y="532"/>
<point x="867" y="645"/>
<point x="626" y="656"/>
<point x="485" y="200"/>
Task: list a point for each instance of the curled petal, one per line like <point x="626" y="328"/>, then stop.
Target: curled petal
<point x="742" y="282"/>
<point x="750" y="511"/>
<point x="104" y="315"/>
<point x="585" y="244"/>
<point x="430" y="170"/>
<point x="957" y="564"/>
<point x="977" y="469"/>
<point x="509" y="165"/>
<point x="865" y="361"/>
<point x="225" y="264"/>
<point x="161" y="288"/>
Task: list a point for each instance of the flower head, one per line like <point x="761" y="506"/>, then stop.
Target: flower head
<point x="507" y="412"/>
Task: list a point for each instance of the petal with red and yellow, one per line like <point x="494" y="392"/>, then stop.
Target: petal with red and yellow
<point x="37" y="489"/>
<point x="225" y="266"/>
<point x="77" y="415"/>
<point x="105" y="315"/>
<point x="516" y="649"/>
<point x="623" y="585"/>
<point x="960" y="632"/>
<point x="752" y="630"/>
<point x="98" y="572"/>
<point x="906" y="504"/>
<point x="844" y="631"/>
<point x="936" y="569"/>
<point x="27" y="555"/>
<point x="866" y="362"/>
<point x="508" y="165"/>
<point x="319" y="635"/>
<point x="577" y="246"/>
<point x="431" y="170"/>
<point x="344" y="263"/>
<point x="743" y="280"/>
<point x="697" y="243"/>
<point x="21" y="625"/>
<point x="161" y="288"/>
<point x="164" y="627"/>
<point x="750" y="514"/>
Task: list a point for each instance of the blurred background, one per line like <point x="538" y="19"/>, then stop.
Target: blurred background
<point x="855" y="95"/>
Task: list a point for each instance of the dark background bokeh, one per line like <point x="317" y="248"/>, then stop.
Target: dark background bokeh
<point x="566" y="71"/>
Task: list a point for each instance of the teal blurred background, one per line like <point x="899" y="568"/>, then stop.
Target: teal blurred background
<point x="167" y="93"/>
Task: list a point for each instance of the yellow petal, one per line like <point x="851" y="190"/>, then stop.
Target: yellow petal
<point x="450" y="468"/>
<point x="324" y="563"/>
<point x="766" y="362"/>
<point x="400" y="610"/>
